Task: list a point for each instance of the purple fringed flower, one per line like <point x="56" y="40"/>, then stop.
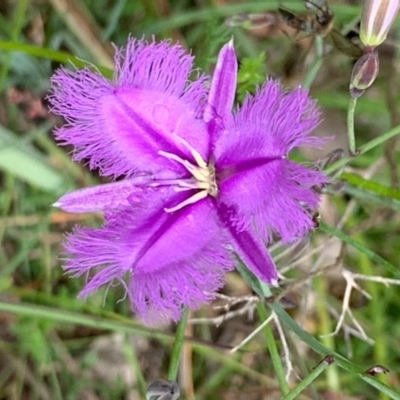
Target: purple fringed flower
<point x="201" y="183"/>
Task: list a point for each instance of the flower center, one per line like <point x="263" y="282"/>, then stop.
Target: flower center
<point x="203" y="176"/>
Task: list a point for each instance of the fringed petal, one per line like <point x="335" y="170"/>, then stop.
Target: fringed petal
<point x="271" y="123"/>
<point x="270" y="193"/>
<point x="289" y="203"/>
<point x="120" y="127"/>
<point x="159" y="68"/>
<point x="170" y="230"/>
<point x="183" y="252"/>
<point x="160" y="296"/>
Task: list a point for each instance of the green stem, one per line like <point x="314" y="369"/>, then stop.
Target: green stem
<point x="325" y="329"/>
<point x="273" y="351"/>
<point x="321" y="367"/>
<point x="365" y="148"/>
<point x="312" y="73"/>
<point x="178" y="344"/>
<point x="350" y="126"/>
<point x="18" y="23"/>
<point x="377" y="315"/>
<point x="54" y="55"/>
<point x="322" y="350"/>
<point x="264" y="292"/>
<point x="131" y="357"/>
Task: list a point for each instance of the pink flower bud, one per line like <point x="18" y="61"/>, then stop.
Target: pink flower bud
<point x="364" y="73"/>
<point x="377" y="18"/>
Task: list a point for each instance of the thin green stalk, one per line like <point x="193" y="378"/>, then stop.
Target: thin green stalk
<point x="350" y="126"/>
<point x="7" y="201"/>
<point x="325" y="328"/>
<point x="360" y="247"/>
<point x="321" y="367"/>
<point x="265" y="292"/>
<point x="365" y="148"/>
<point x="56" y="392"/>
<point x="18" y="23"/>
<point x="377" y="306"/>
<point x="54" y="55"/>
<point x="68" y="317"/>
<point x="273" y="351"/>
<point x="177" y="349"/>
<point x="130" y="354"/>
<point x="322" y="350"/>
<point x="313" y="72"/>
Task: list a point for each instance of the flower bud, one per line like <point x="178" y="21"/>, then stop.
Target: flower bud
<point x="365" y="71"/>
<point x="377" y="18"/>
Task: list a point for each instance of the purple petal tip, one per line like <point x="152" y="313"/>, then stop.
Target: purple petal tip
<point x="274" y="282"/>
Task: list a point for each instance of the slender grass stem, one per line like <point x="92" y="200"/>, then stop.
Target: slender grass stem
<point x="325" y="328"/>
<point x="177" y="349"/>
<point x="17" y="26"/>
<point x="365" y="148"/>
<point x="273" y="351"/>
<point x="321" y="367"/>
<point x="378" y="323"/>
<point x="313" y="72"/>
<point x="54" y="55"/>
<point x="131" y="356"/>
<point x="350" y="126"/>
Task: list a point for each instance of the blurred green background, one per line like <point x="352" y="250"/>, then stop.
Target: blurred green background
<point x="54" y="346"/>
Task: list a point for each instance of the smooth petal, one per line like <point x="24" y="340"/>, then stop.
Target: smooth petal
<point x="250" y="248"/>
<point x="107" y="131"/>
<point x="223" y="85"/>
<point x="169" y="238"/>
<point x="105" y="197"/>
<point x="141" y="123"/>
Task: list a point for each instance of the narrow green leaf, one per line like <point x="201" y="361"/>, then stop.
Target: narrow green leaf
<point x="322" y="350"/>
<point x="264" y="291"/>
<point x="177" y="348"/>
<point x="322" y="366"/>
<point x="371" y="197"/>
<point x="28" y="164"/>
<point x="372" y="186"/>
<point x="50" y="54"/>
<point x="358" y="246"/>
<point x="67" y="317"/>
<point x="365" y="148"/>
